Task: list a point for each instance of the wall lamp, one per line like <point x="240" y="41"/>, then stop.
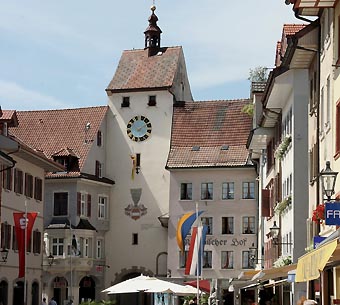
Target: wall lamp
<point x="4" y="255"/>
<point x="275" y="233"/>
<point x="253" y="254"/>
<point x="328" y="178"/>
<point x="50" y="259"/>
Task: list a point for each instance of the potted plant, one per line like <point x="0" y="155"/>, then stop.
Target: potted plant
<point x="319" y="214"/>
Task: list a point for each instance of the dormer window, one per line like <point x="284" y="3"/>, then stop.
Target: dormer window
<point x="152" y="100"/>
<point x="125" y="101"/>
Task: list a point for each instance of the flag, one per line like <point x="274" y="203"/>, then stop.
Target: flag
<point x="21" y="222"/>
<point x="184" y="226"/>
<point x="133" y="158"/>
<point x="194" y="261"/>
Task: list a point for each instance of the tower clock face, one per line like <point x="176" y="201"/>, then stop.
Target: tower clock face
<point x="139" y="128"/>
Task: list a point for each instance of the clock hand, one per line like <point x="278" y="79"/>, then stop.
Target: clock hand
<point x="140" y="128"/>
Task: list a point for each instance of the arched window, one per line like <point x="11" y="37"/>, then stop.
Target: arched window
<point x="35" y="294"/>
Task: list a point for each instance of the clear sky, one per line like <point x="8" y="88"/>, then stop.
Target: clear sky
<point x="63" y="54"/>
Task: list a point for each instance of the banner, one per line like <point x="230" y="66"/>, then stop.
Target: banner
<point x="21" y="222"/>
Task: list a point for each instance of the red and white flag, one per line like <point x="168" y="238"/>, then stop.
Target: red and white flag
<point x="195" y="256"/>
<point x="21" y="222"/>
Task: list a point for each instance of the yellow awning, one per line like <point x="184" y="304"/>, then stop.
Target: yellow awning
<point x="310" y="265"/>
<point x="247" y="275"/>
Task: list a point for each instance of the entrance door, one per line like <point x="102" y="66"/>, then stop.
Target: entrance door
<point x="87" y="289"/>
<point x="18" y="293"/>
<point x="60" y="289"/>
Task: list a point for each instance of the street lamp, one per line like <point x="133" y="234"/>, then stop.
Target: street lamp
<point x="50" y="259"/>
<point x="328" y="178"/>
<point x="4" y="255"/>
<point x="275" y="233"/>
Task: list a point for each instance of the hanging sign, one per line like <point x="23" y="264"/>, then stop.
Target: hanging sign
<point x="332" y="213"/>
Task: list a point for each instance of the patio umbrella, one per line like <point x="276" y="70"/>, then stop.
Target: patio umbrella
<point x="148" y="284"/>
<point x="203" y="285"/>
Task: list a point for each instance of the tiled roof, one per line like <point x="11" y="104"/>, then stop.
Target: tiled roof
<point x="50" y="131"/>
<point x="136" y="70"/>
<point x="65" y="152"/>
<point x="258" y="86"/>
<point x="291" y="29"/>
<point x="209" y="134"/>
<point x="9" y="116"/>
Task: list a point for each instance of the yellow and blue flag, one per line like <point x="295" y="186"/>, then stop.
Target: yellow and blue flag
<point x="184" y="226"/>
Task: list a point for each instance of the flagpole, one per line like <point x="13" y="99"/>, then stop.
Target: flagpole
<point x="197" y="263"/>
<point x="25" y="253"/>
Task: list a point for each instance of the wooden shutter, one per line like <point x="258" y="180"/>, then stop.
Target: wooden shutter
<point x="78" y="203"/>
<point x="265" y="203"/>
<point x="88" y="205"/>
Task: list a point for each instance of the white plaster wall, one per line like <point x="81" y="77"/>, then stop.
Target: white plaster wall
<point x="216" y="208"/>
<point x="153" y="179"/>
<point x="12" y="202"/>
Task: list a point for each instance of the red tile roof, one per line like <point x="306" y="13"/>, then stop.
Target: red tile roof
<point x="291" y="29"/>
<point x="9" y="116"/>
<point x="209" y="134"/>
<point x="51" y="131"/>
<point x="136" y="70"/>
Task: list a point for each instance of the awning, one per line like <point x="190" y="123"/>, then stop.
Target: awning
<point x="273" y="273"/>
<point x="275" y="283"/>
<point x="247" y="275"/>
<point x="311" y="264"/>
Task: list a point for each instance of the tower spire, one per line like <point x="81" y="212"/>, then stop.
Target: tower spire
<point x="153" y="34"/>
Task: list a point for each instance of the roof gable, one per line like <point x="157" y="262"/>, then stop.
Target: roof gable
<point x="137" y="70"/>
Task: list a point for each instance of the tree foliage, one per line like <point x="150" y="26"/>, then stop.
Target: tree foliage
<point x="258" y="74"/>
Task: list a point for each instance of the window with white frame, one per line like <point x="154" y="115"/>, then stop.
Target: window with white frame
<point x="207" y="259"/>
<point x="227" y="190"/>
<point x="102" y="207"/>
<point x="247" y="263"/>
<point x="57" y="246"/>
<point x="99" y="249"/>
<point x="248" y="190"/>
<point x="85" y="242"/>
<point x="186" y="191"/>
<point x="227" y="225"/>
<point x="227" y="259"/>
<point x="248" y="225"/>
<point x="207" y="191"/>
<point x="83" y="204"/>
<point x="183" y="258"/>
<point x="208" y="221"/>
<point x="328" y="103"/>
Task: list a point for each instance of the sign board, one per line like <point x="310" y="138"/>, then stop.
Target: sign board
<point x="332" y="213"/>
<point x="317" y="240"/>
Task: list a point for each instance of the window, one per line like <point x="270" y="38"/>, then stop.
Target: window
<point x="207" y="259"/>
<point x="6" y="231"/>
<point x="186" y="191"/>
<point x="7" y="179"/>
<point x="135" y="238"/>
<point x="183" y="258"/>
<point x="152" y="100"/>
<point x="102" y="207"/>
<point x="208" y="221"/>
<point x="248" y="190"/>
<point x="207" y="191"/>
<point x="227" y="190"/>
<point x="14" y="240"/>
<point x="328" y="103"/>
<point x="57" y="246"/>
<point x="37" y="188"/>
<point x="248" y="226"/>
<point x="125" y="101"/>
<point x="99" y="251"/>
<point x="322" y="110"/>
<point x="36" y="242"/>
<point x="227" y="225"/>
<point x="98" y="170"/>
<point x="86" y="247"/>
<point x="83" y="204"/>
<point x="99" y="138"/>
<point x="28" y="185"/>
<point x="60" y="204"/>
<point x="246" y="260"/>
<point x="227" y="259"/>
<point x="18" y="181"/>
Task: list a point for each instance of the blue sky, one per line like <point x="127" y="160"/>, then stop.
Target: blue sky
<point x="63" y="54"/>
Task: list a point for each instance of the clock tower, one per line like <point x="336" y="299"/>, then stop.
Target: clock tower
<point x="147" y="85"/>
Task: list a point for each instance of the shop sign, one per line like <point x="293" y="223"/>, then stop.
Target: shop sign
<point x="317" y="240"/>
<point x="332" y="213"/>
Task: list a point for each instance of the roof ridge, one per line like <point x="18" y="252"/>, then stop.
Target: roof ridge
<point x="64" y="109"/>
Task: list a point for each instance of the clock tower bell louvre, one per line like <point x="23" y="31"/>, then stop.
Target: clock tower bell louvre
<point x="145" y="87"/>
